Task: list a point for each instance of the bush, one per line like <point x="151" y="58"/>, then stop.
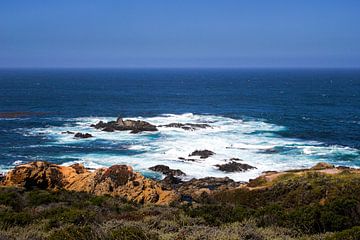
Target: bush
<point x="11" y="218"/>
<point x="10" y="197"/>
<point x="349" y="234"/>
<point x="130" y="233"/>
<point x="38" y="197"/>
<point x="74" y="233"/>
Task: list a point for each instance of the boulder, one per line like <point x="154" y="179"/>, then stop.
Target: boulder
<point x="234" y="167"/>
<point x="167" y="171"/>
<point x="82" y="135"/>
<point x="202" y="153"/>
<point x="125" y="125"/>
<point x="118" y="180"/>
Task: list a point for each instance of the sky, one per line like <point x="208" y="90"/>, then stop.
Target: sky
<point x="179" y="33"/>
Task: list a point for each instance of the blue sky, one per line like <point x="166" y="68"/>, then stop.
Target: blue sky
<point x="180" y="33"/>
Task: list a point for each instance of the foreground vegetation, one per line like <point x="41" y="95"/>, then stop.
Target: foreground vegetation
<point x="308" y="206"/>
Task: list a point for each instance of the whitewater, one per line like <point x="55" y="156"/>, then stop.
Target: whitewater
<point x="254" y="141"/>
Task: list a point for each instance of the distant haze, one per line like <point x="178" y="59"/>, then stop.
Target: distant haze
<point x="183" y="33"/>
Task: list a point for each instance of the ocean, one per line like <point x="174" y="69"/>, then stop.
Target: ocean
<point x="273" y="119"/>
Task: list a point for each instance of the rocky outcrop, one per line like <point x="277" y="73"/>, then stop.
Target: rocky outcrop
<point x="202" y="153"/>
<point x="234" y="167"/>
<point x="118" y="180"/>
<point x="200" y="190"/>
<point x="187" y="126"/>
<point x="167" y="171"/>
<point x="82" y="135"/>
<point x="125" y="125"/>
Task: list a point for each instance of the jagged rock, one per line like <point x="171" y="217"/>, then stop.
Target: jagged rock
<point x="187" y="126"/>
<point x="118" y="180"/>
<point x="83" y="135"/>
<point x="322" y="165"/>
<point x="171" y="182"/>
<point x="67" y="132"/>
<point x="234" y="167"/>
<point x="202" y="153"/>
<point x="167" y="171"/>
<point x="125" y="125"/>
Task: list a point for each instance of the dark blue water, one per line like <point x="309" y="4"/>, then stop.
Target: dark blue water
<point x="320" y="105"/>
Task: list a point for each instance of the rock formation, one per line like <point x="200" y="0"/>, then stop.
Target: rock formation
<point x="118" y="180"/>
<point x="234" y="167"/>
<point x="202" y="153"/>
<point x="83" y="135"/>
<point x="125" y="125"/>
<point x="187" y="126"/>
<point x="167" y="171"/>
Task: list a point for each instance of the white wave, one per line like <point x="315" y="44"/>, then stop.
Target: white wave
<point x="227" y="137"/>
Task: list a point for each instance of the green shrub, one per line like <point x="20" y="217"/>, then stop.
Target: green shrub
<point x="38" y="197"/>
<point x="130" y="233"/>
<point x="10" y="197"/>
<point x="218" y="214"/>
<point x="11" y="218"/>
<point x="349" y="234"/>
<point x="74" y="233"/>
<point x="98" y="200"/>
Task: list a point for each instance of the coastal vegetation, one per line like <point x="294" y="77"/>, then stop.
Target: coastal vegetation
<point x="292" y="205"/>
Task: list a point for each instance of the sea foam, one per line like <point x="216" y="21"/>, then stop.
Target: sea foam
<point x="254" y="141"/>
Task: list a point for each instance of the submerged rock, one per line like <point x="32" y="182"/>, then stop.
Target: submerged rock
<point x="234" y="167"/>
<point x="125" y="125"/>
<point x="83" y="135"/>
<point x="118" y="180"/>
<point x="67" y="132"/>
<point x="187" y="126"/>
<point x="202" y="153"/>
<point x="167" y="171"/>
<point x="187" y="159"/>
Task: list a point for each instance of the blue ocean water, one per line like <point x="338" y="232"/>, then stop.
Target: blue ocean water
<point x="272" y="119"/>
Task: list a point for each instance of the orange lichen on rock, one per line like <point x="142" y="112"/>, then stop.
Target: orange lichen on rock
<point x="118" y="180"/>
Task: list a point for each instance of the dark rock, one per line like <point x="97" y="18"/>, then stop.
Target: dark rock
<point x="235" y="159"/>
<point x="187" y="126"/>
<point x="67" y="132"/>
<point x="234" y="167"/>
<point x="187" y="159"/>
<point x="167" y="171"/>
<point x="82" y="135"/>
<point x="170" y="182"/>
<point x="202" y="153"/>
<point x="125" y="125"/>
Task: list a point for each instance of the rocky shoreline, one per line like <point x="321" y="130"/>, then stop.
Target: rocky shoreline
<point x="122" y="181"/>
